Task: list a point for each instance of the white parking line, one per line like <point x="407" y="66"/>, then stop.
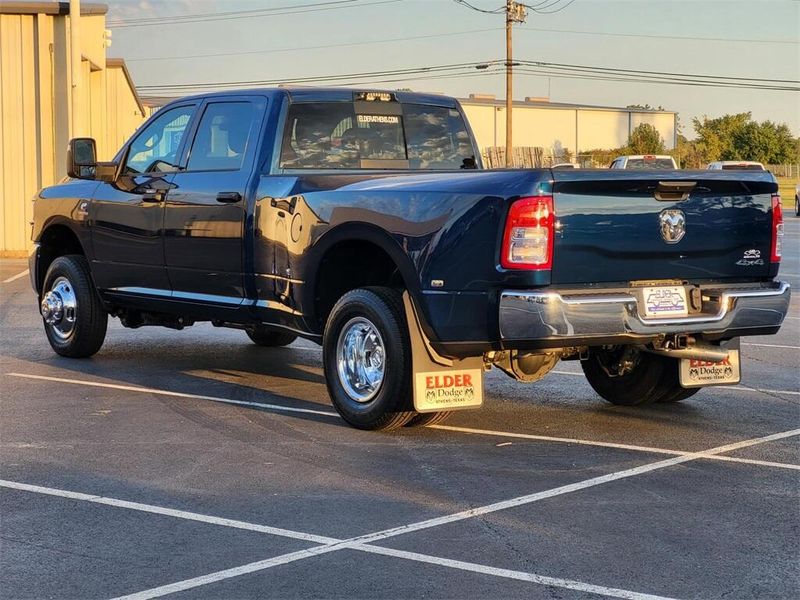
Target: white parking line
<point x="765" y="391"/>
<point x="132" y="388"/>
<point x="573" y="487"/>
<point x="169" y="512"/>
<point x="358" y="542"/>
<point x="545" y="438"/>
<point x="716" y="388"/>
<point x="17" y="276"/>
<point x="261" y="565"/>
<point x="771" y="346"/>
<point x="509" y="574"/>
<point x="280" y="408"/>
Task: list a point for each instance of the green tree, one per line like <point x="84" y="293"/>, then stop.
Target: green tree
<point x="765" y="142"/>
<point x="645" y="139"/>
<point x="715" y="136"/>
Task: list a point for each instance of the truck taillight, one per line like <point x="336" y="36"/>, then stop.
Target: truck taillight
<point x="528" y="237"/>
<point x="777" y="229"/>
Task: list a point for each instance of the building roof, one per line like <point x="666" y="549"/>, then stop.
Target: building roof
<point x="49" y="8"/>
<point x="545" y="104"/>
<point x="119" y="63"/>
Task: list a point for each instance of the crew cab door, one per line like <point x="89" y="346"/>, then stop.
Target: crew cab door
<point x="127" y="216"/>
<point x="204" y="221"/>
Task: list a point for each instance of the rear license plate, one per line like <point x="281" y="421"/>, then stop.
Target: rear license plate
<point x="698" y="373"/>
<point x="664" y="302"/>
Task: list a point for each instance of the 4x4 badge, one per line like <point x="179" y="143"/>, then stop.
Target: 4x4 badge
<point x="672" y="223"/>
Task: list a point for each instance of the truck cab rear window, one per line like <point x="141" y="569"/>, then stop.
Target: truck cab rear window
<point x="655" y="163"/>
<point x="332" y="136"/>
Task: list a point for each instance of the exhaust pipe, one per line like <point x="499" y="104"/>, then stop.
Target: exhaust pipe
<point x="688" y="347"/>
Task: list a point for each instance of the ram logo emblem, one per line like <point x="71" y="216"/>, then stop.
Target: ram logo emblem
<point x="673" y="225"/>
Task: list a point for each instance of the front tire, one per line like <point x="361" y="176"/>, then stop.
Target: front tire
<point x="75" y="321"/>
<point x="797" y="206"/>
<point x="367" y="359"/>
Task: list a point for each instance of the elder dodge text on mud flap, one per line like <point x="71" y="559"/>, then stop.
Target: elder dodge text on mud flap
<point x="363" y="221"/>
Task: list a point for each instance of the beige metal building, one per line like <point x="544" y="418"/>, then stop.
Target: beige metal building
<point x="557" y="126"/>
<point x="36" y="104"/>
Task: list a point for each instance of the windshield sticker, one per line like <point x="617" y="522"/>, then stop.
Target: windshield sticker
<point x="387" y="119"/>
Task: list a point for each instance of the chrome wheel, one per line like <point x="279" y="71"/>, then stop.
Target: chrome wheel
<point x="60" y="307"/>
<point x="360" y="359"/>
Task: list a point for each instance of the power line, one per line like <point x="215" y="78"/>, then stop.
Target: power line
<point x="496" y="11"/>
<point x="367" y="74"/>
<point x="297" y="49"/>
<point x="542" y="9"/>
<point x="666" y="73"/>
<point x="660" y="37"/>
<point x="556" y="70"/>
<point x="178" y="20"/>
<point x="664" y="81"/>
<point x="228" y="13"/>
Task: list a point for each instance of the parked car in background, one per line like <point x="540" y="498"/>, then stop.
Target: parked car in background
<point x="797" y="200"/>
<point x="644" y="161"/>
<point x="735" y="165"/>
<point x="565" y="165"/>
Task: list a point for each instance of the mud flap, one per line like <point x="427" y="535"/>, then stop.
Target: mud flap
<point x="701" y="373"/>
<point x="440" y="383"/>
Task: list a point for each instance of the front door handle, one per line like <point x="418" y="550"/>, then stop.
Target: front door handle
<point x="153" y="195"/>
<point x="229" y="197"/>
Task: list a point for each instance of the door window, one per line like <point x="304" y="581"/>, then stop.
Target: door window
<point x="155" y="149"/>
<point x="222" y="136"/>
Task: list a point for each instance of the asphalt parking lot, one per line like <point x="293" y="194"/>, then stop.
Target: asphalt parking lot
<point x="196" y="465"/>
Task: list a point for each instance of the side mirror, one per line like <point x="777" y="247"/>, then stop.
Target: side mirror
<point x="82" y="158"/>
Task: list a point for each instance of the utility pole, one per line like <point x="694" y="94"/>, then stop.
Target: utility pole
<point x="515" y="13"/>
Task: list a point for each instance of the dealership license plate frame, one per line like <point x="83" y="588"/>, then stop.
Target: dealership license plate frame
<point x="697" y="373"/>
<point x="665" y="302"/>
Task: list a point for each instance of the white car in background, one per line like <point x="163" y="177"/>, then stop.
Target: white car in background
<point x="644" y="161"/>
<point x="735" y="165"/>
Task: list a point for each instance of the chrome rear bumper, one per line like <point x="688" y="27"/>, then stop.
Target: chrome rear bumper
<point x="531" y="315"/>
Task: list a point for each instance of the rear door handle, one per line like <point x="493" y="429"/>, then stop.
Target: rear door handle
<point x="287" y="205"/>
<point x="229" y="197"/>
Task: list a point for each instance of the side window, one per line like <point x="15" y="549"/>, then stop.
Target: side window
<point x="320" y="136"/>
<point x="155" y="149"/>
<point x="437" y="138"/>
<point x="221" y="140"/>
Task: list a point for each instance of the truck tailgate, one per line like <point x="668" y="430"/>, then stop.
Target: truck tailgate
<point x="617" y="226"/>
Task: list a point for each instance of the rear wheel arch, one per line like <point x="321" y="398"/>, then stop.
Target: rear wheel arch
<point x="351" y="257"/>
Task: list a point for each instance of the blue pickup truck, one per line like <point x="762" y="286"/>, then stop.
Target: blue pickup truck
<point x="363" y="220"/>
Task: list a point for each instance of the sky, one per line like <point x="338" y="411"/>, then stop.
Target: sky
<point x="731" y="38"/>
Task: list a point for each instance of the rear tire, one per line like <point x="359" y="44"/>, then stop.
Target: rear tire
<point x="75" y="321"/>
<point x="670" y="383"/>
<point x="425" y="419"/>
<point x="367" y="359"/>
<point x="270" y="338"/>
<point x="639" y="385"/>
<point x="797" y="206"/>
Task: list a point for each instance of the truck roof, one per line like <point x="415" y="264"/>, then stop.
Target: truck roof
<point x="328" y="94"/>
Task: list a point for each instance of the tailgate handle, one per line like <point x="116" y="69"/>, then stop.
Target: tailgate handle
<point x="674" y="191"/>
